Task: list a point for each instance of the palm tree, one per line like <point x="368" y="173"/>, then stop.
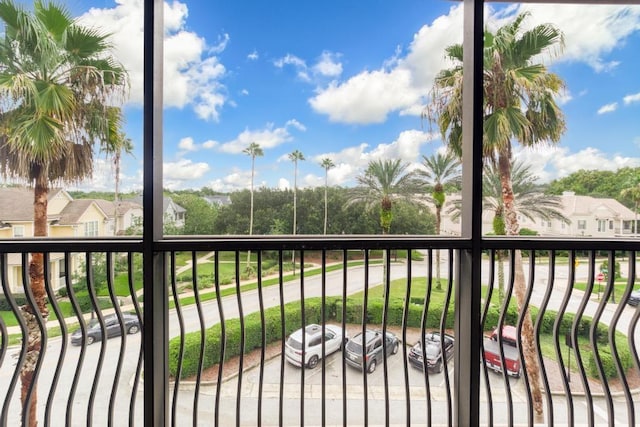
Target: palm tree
<point x="116" y="144"/>
<point x="382" y="183"/>
<point x="327" y="164"/>
<point x="295" y="156"/>
<point x="440" y="170"/>
<point x="531" y="201"/>
<point x="56" y="78"/>
<point x="253" y="150"/>
<point x="519" y="105"/>
<point x="633" y="193"/>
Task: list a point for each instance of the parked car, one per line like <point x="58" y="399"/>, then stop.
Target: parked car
<point x="509" y="349"/>
<point x="373" y="349"/>
<point x="634" y="298"/>
<point x="111" y="326"/>
<point x="433" y="344"/>
<point x="333" y="341"/>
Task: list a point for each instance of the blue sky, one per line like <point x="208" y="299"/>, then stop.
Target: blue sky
<point x="347" y="80"/>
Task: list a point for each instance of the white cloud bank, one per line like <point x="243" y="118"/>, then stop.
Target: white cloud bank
<point x="192" y="72"/>
<point x="402" y="83"/>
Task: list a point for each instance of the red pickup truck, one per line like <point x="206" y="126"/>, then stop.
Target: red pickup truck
<point x="511" y="354"/>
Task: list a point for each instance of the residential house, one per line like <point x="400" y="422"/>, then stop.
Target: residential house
<point x="172" y="213"/>
<point x="220" y="200"/>
<point x="66" y="218"/>
<point x="588" y="217"/>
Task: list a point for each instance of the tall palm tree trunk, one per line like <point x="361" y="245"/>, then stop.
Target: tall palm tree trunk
<point x="528" y="336"/>
<point x="116" y="192"/>
<point x="325" y="206"/>
<point x="251" y="210"/>
<point x="36" y="284"/>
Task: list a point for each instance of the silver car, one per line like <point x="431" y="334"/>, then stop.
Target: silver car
<point x="312" y="352"/>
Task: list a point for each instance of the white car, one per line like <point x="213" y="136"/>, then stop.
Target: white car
<point x="333" y="341"/>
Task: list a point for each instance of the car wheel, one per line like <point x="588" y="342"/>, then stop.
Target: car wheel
<point x="90" y="340"/>
<point x="372" y="366"/>
<point x="394" y="350"/>
<point x="313" y="362"/>
<point x="133" y="329"/>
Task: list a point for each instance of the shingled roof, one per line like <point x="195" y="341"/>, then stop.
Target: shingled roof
<point x="16" y="203"/>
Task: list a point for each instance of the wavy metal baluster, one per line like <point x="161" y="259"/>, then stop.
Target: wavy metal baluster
<point x="323" y="322"/>
<point x="501" y="319"/>
<point x="423" y="330"/>
<point x="123" y="334"/>
<point x="178" y="306"/>
<point x="63" y="342"/>
<point x="83" y="349"/>
<point x="527" y="300"/>
<point x="42" y="329"/>
<point x="23" y="329"/>
<point x="223" y="332"/>
<point x="538" y="326"/>
<point x="196" y="294"/>
<point x="364" y="337"/>
<point x="443" y="322"/>
<point x="612" y="339"/>
<point x="385" y="310"/>
<point x="405" y="312"/>
<point x="345" y="267"/>
<point x="103" y="341"/>
<point x="242" y="339"/>
<point x="574" y="337"/>
<point x="593" y="338"/>
<point x="136" y="307"/>
<point x="263" y="338"/>
<point x="562" y="310"/>
<point x="483" y="319"/>
<point x="633" y="324"/>
<point x="283" y="335"/>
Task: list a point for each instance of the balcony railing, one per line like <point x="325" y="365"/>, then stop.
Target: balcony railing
<point x="227" y="329"/>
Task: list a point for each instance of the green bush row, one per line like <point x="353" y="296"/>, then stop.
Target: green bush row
<point x="253" y="329"/>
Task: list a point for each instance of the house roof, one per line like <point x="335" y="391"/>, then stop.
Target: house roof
<point x="166" y="202"/>
<point x="16" y="203"/>
<point x="574" y="205"/>
<point x="74" y="210"/>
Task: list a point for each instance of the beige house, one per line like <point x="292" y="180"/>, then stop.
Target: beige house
<point x="66" y="218"/>
<point x="588" y="216"/>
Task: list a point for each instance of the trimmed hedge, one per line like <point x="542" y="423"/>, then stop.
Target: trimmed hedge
<point x="253" y="330"/>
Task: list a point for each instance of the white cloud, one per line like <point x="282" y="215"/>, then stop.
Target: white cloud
<point x="553" y="162"/>
<point x="253" y="56"/>
<point x="290" y="59"/>
<point x="210" y="143"/>
<point x="328" y="65"/>
<point x="191" y="73"/>
<point x="367" y="97"/>
<point x="402" y="83"/>
<point x="296" y="124"/>
<point x="608" y="108"/>
<point x="591" y="31"/>
<point x="244" y="92"/>
<point x="236" y="180"/>
<point x="187" y="144"/>
<point x="268" y="137"/>
<point x="184" y="170"/>
<point x="630" y="99"/>
<point x="284" y="184"/>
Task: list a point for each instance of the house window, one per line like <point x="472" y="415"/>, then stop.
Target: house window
<point x="91" y="229"/>
<point x="610" y="225"/>
<point x="18" y="231"/>
<point x="582" y="224"/>
<point x="602" y="225"/>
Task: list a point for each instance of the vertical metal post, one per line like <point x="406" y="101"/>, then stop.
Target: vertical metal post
<point x="155" y="325"/>
<point x="467" y="310"/>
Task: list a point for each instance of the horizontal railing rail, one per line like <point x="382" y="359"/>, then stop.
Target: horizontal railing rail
<point x="336" y="330"/>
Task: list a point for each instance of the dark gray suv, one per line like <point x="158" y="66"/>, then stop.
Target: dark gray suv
<point x="373" y="349"/>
